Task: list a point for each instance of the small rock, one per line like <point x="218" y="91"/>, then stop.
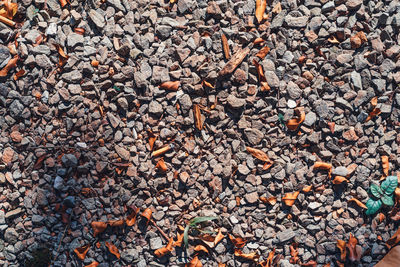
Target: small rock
<point x="285" y="235"/>
<point x="235" y="102"/>
<point x="69" y="160"/>
<point x="254" y="136"/>
<point x="97" y="19"/>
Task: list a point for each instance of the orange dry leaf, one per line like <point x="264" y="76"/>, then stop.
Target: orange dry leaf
<point x="7" y="21"/>
<point x="268" y="261"/>
<point x="98" y="227"/>
<point x="353" y="249"/>
<point x="81" y="251"/>
<point x="333" y="40"/>
<point x="269" y="200"/>
<point x="261" y="77"/>
<point x="261" y="5"/>
<point x="374" y="101"/>
<point x="339" y="180"/>
<point x="93" y="264"/>
<point x="294" y="253"/>
<point x="323" y="166"/>
<point x="267" y="165"/>
<point x="293" y="124"/>
<point x="263" y="52"/>
<point x="249" y="256"/>
<point x="277" y="8"/>
<point x="207" y="239"/>
<point x="225" y="46"/>
<point x="62" y="57"/>
<point x="19" y="74"/>
<point x="161" y="151"/>
<point x="221" y="264"/>
<point x="131" y="219"/>
<point x="197" y="117"/>
<point x="381" y="217"/>
<point x="375" y="112"/>
<point x="207" y="84"/>
<point x="11" y="64"/>
<point x="358" y="202"/>
<point x="147" y="214"/>
<point x="385" y="165"/>
<point x="394" y="240"/>
<point x="171" y="86"/>
<point x="341" y="244"/>
<point x="116" y="223"/>
<point x="152" y="139"/>
<point x="290" y="198"/>
<point x="218" y="237"/>
<point x="63" y="3"/>
<point x="161" y="165"/>
<point x="195" y="262"/>
<point x="309" y="264"/>
<point x="179" y="240"/>
<point x="9" y="10"/>
<point x="113" y="249"/>
<point x="165" y="250"/>
<point x="238" y="241"/>
<point x="258" y="40"/>
<point x="80" y="31"/>
<point x="257" y="153"/>
<point x="235" y="61"/>
<point x="307" y="188"/>
<point x="199" y="248"/>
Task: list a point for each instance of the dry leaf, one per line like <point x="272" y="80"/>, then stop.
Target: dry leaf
<point x="165" y="250"/>
<point x="261" y="77"/>
<point x="333" y="40"/>
<point x="391" y="259"/>
<point x="269" y="200"/>
<point x="267" y="165"/>
<point x="116" y="223"/>
<point x="161" y="165"/>
<point x="11" y="64"/>
<point x="238" y="241"/>
<point x="221" y="264"/>
<point x="268" y="261"/>
<point x="249" y="256"/>
<point x="290" y="198"/>
<point x="235" y="61"/>
<point x="171" y="86"/>
<point x="218" y="237"/>
<point x="19" y="74"/>
<point x="207" y="84"/>
<point x="113" y="249"/>
<point x="63" y="3"/>
<point x="263" y="52"/>
<point x="258" y="40"/>
<point x="257" y="153"/>
<point x="161" y="151"/>
<point x="339" y="180"/>
<point x="207" y="239"/>
<point x="81" y="251"/>
<point x="381" y="217"/>
<point x="353" y="249"/>
<point x="341" y="244"/>
<point x="261" y="5"/>
<point x="197" y="117"/>
<point x="323" y="166"/>
<point x="375" y="112"/>
<point x="152" y="139"/>
<point x="62" y="57"/>
<point x="199" y="248"/>
<point x="293" y="124"/>
<point x="358" y="202"/>
<point x="179" y="240"/>
<point x="93" y="264"/>
<point x="225" y="46"/>
<point x="385" y="165"/>
<point x="309" y="264"/>
<point x="307" y="188"/>
<point x="195" y="262"/>
<point x="374" y="101"/>
<point x="131" y="219"/>
<point x="394" y="240"/>
<point x="277" y="8"/>
<point x="98" y="227"/>
<point x="9" y="10"/>
<point x="294" y="253"/>
<point x="147" y="214"/>
<point x="80" y="31"/>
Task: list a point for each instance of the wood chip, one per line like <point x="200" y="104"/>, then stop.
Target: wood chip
<point x="225" y="46"/>
<point x="235" y="61"/>
<point x="197" y="117"/>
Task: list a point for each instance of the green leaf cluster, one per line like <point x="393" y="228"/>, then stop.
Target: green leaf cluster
<point x="193" y="224"/>
<point x="381" y="194"/>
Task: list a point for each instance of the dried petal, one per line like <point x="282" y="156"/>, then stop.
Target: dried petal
<point x="293" y="124"/>
<point x="277" y="8"/>
<point x="354" y="251"/>
<point x="309" y="264"/>
<point x="80" y="31"/>
<point x="294" y="253"/>
<point x="358" y="202"/>
<point x="179" y="240"/>
<point x="290" y="198"/>
<point x="207" y="84"/>
<point x="218" y="238"/>
<point x="63" y="3"/>
<point x="171" y="86"/>
<point x="81" y="251"/>
<point x="261" y="5"/>
<point x="261" y="77"/>
<point x="258" y="40"/>
<point x="195" y="262"/>
<point x="225" y="46"/>
<point x="394" y="240"/>
<point x="19" y="74"/>
<point x="98" y="227"/>
<point x="113" y="249"/>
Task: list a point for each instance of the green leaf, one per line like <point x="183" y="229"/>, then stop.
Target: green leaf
<point x="387" y="200"/>
<point x="185" y="236"/>
<point x="389" y="185"/>
<point x="373" y="206"/>
<point x="376" y="190"/>
<point x="197" y="220"/>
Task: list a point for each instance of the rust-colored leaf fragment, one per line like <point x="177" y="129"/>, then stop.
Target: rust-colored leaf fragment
<point x="9" y="9"/>
<point x="179" y="240"/>
<point x="307" y="188"/>
<point x="19" y="74"/>
<point x="62" y="57"/>
<point x="116" y="223"/>
<point x="258" y="41"/>
<point x="309" y="264"/>
<point x="199" y="248"/>
<point x="82" y="251"/>
<point x="339" y="180"/>
<point x="319" y="165"/>
<point x="161" y="151"/>
<point x="238" y="242"/>
<point x="290" y="198"/>
<point x="197" y="117"/>
<point x="63" y="3"/>
<point x="394" y="240"/>
<point x="171" y="85"/>
<point x="293" y="124"/>
<point x="221" y="264"/>
<point x="375" y="112"/>
<point x="195" y="262"/>
<point x="80" y="31"/>
<point x="7" y="21"/>
<point x="93" y="264"/>
<point x="165" y="250"/>
<point x="269" y="200"/>
<point x="353" y="249"/>
<point x="225" y="47"/>
<point x="263" y="52"/>
<point x="261" y="77"/>
<point x="341" y="245"/>
<point x="207" y="84"/>
<point x="385" y="164"/>
<point x="161" y="165"/>
<point x="147" y="214"/>
<point x="374" y="101"/>
<point x="113" y="249"/>
<point x="294" y="253"/>
<point x="10" y="65"/>
<point x="257" y="153"/>
<point x="248" y="256"/>
<point x="98" y="227"/>
<point x="358" y="202"/>
<point x="261" y="5"/>
<point x="268" y="262"/>
<point x="277" y="8"/>
<point x="235" y="61"/>
<point x="131" y="219"/>
<point x="218" y="237"/>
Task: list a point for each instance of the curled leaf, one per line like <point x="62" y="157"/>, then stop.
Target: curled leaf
<point x="218" y="237"/>
<point x="62" y="57"/>
<point x="152" y="139"/>
<point x="341" y="245"/>
<point x="147" y="214"/>
<point x="353" y="249"/>
<point x="268" y="261"/>
<point x="81" y="251"/>
<point x="195" y="262"/>
<point x="171" y="86"/>
<point x="290" y="198"/>
<point x="385" y="165"/>
<point x="259" y="154"/>
<point x="294" y="253"/>
<point x="11" y="64"/>
<point x="238" y="242"/>
<point x="93" y="264"/>
<point x="323" y="166"/>
<point x="161" y="151"/>
<point x="263" y="52"/>
<point x="197" y="117"/>
<point x="131" y="219"/>
<point x="225" y="46"/>
<point x="199" y="248"/>
<point x="358" y="202"/>
<point x="98" y="227"/>
<point x="339" y="180"/>
<point x="307" y="188"/>
<point x="165" y="250"/>
<point x="179" y="240"/>
<point x="261" y="77"/>
<point x="248" y="256"/>
<point x="375" y="112"/>
<point x="269" y="200"/>
<point x="207" y="84"/>
<point x="261" y="5"/>
<point x="113" y="249"/>
<point x="161" y="165"/>
<point x="294" y="123"/>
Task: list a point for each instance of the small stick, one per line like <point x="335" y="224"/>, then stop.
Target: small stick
<point x="161" y="231"/>
<point x="161" y="151"/>
<point x="7" y="21"/>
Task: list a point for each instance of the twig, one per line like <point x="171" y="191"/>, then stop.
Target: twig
<point x="161" y="231"/>
<point x="59" y="243"/>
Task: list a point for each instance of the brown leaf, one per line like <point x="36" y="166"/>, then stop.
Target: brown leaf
<point x="381" y="217"/>
<point x="98" y="227"/>
<point x="81" y="251"/>
<point x="62" y="57"/>
<point x="225" y="46"/>
<point x="394" y="240"/>
<point x="277" y="8"/>
<point x="197" y="117"/>
<point x="235" y="61"/>
<point x="353" y="249"/>
<point x="249" y="256"/>
<point x="147" y="214"/>
<point x="261" y="77"/>
<point x="93" y="264"/>
<point x="319" y="165"/>
<point x="171" y="86"/>
<point x="161" y="165"/>
<point x="131" y="219"/>
<point x="333" y="40"/>
<point x="374" y="101"/>
<point x="207" y="239"/>
<point x="375" y="112"/>
<point x="294" y="253"/>
<point x="257" y="153"/>
<point x="237" y="241"/>
<point x="309" y="264"/>
<point x="385" y="165"/>
<point x="391" y="259"/>
<point x="341" y="244"/>
<point x="116" y="223"/>
<point x="307" y="188"/>
<point x="195" y="262"/>
<point x="161" y="151"/>
<point x="199" y="248"/>
<point x="358" y="202"/>
<point x="261" y="5"/>
<point x="269" y="200"/>
<point x="80" y="31"/>
<point x="218" y="237"/>
<point x="165" y="250"/>
<point x="339" y="180"/>
<point x="263" y="52"/>
<point x="207" y="84"/>
<point x="268" y="261"/>
<point x="290" y="198"/>
<point x="179" y="240"/>
<point x="19" y="74"/>
<point x="10" y="65"/>
<point x="293" y="124"/>
<point x="9" y="10"/>
<point x="63" y="3"/>
<point x="258" y="41"/>
<point x="221" y="264"/>
<point x="113" y="249"/>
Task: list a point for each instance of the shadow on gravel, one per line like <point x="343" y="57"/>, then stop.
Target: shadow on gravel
<point x="41" y="258"/>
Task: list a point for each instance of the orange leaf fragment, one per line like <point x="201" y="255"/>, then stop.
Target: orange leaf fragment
<point x="294" y="253"/>
<point x="207" y="84"/>
<point x="165" y="250"/>
<point x="257" y="153"/>
<point x="221" y="264"/>
<point x="238" y="242"/>
<point x="131" y="219"/>
<point x="235" y="61"/>
<point x="98" y="227"/>
<point x="80" y="31"/>
<point x="354" y="252"/>
<point x="394" y="240"/>
<point x="161" y="165"/>
<point x="195" y="262"/>
<point x="225" y="46"/>
<point x="323" y="166"/>
<point x="385" y="165"/>
<point x="261" y="77"/>
<point x="258" y="40"/>
<point x="152" y="139"/>
<point x="11" y="64"/>
<point x="197" y="117"/>
<point x="9" y="10"/>
<point x="269" y="200"/>
<point x="263" y="52"/>
<point x="277" y="8"/>
<point x="7" y="21"/>
<point x="339" y="180"/>
<point x="113" y="249"/>
<point x="248" y="256"/>
<point x="179" y="240"/>
<point x="81" y="251"/>
<point x="358" y="202"/>
<point x="19" y="74"/>
<point x="93" y="264"/>
<point x="374" y="101"/>
<point x="290" y="198"/>
<point x="218" y="237"/>
<point x="199" y="248"/>
<point x="307" y="188"/>
<point x="147" y="214"/>
<point x="261" y="5"/>
<point x="268" y="261"/>
<point x="341" y="244"/>
<point x="381" y="217"/>
<point x="116" y="223"/>
<point x="62" y="57"/>
<point x="293" y="124"/>
<point x="171" y="86"/>
<point x="375" y="112"/>
<point x="63" y="3"/>
<point x="309" y="264"/>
